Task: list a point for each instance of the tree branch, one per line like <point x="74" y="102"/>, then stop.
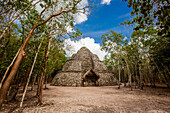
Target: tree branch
<point x="45" y="21"/>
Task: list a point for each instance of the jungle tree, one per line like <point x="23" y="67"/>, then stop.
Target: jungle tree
<point x="64" y="10"/>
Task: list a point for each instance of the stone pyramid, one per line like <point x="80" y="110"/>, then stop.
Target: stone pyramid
<point x="84" y="69"/>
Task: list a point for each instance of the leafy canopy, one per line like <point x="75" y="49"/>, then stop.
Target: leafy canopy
<point x="150" y="13"/>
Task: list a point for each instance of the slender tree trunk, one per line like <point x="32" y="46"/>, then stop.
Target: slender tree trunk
<point x="136" y="75"/>
<point x="144" y="78"/>
<point x="26" y="78"/>
<point x="21" y="54"/>
<point x="141" y="77"/>
<point x="124" y="76"/>
<point x="46" y="82"/>
<point x="151" y="76"/>
<point x="119" y="71"/>
<point x="38" y="86"/>
<point x="33" y="83"/>
<point x="129" y="73"/>
<point x="8" y="68"/>
<point x="130" y="80"/>
<point x="130" y="77"/>
<point x="44" y="72"/>
<point x="35" y="58"/>
<point x="147" y="81"/>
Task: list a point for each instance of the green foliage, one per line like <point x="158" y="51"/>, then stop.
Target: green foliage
<point x="112" y="42"/>
<point x="56" y="28"/>
<point x="150" y="13"/>
<point x="145" y="55"/>
<point x="56" y="61"/>
<point x="110" y="39"/>
<point x="7" y="54"/>
<point x="150" y="40"/>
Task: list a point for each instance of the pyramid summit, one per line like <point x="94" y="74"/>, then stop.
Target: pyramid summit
<point x="84" y="69"/>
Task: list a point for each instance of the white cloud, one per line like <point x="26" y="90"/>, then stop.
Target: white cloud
<point x="78" y="17"/>
<point x="106" y="2"/>
<point x="72" y="47"/>
<point x="81" y="17"/>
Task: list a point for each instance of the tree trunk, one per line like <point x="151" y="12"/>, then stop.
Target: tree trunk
<point x="151" y="75"/>
<point x="8" y="69"/>
<point x="129" y="73"/>
<point x="119" y="70"/>
<point x="21" y="54"/>
<point x="147" y="77"/>
<point x="46" y="82"/>
<point x="33" y="83"/>
<point x="141" y="77"/>
<point x="38" y="86"/>
<point x="124" y="77"/>
<point x="44" y="72"/>
<point x="136" y="75"/>
<point x="130" y="80"/>
<point x="35" y="58"/>
<point x="26" y="78"/>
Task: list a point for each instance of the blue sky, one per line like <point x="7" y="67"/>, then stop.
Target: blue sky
<point x="106" y="17"/>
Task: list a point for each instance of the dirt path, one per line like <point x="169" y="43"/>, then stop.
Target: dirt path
<point x="102" y="100"/>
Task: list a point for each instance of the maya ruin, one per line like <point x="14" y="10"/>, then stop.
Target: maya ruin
<point x="84" y="69"/>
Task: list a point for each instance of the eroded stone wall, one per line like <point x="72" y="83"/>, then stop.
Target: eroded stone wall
<point x="67" y="79"/>
<point x="72" y="65"/>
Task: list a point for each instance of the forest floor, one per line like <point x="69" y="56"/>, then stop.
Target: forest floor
<point x="107" y="99"/>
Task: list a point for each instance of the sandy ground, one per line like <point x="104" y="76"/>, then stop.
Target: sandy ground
<point x="106" y="99"/>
